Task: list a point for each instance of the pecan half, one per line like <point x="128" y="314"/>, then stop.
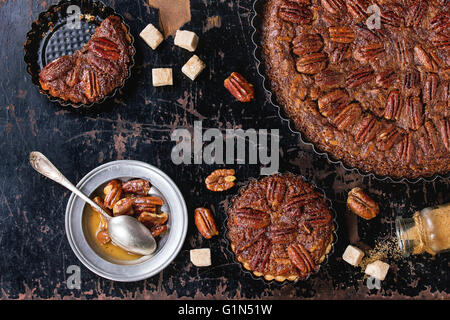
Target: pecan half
<point x="430" y="88"/>
<point x="146" y="204"/>
<point x="388" y="137"/>
<point x="239" y="87"/>
<point x="414" y="112"/>
<point x="276" y="189"/>
<point x="113" y="192"/>
<point x="295" y="13"/>
<point x="362" y="204"/>
<point x="329" y="79"/>
<point x="406" y="149"/>
<point x="360" y="76"/>
<point x="301" y="258"/>
<point x="444" y="129"/>
<point x="312" y="63"/>
<point x="415" y="14"/>
<point x="319" y="221"/>
<point x="333" y="102"/>
<point x="56" y="69"/>
<point x="251" y="241"/>
<point x="300" y="201"/>
<point x="348" y="116"/>
<point x="411" y="79"/>
<point x="307" y="43"/>
<point x="259" y="259"/>
<point x="357" y="8"/>
<point x="432" y="135"/>
<point x="394" y="105"/>
<point x="150" y="219"/>
<point x="254" y="219"/>
<point x="90" y="84"/>
<point x="367" y="129"/>
<point x="137" y="186"/>
<point x="204" y="221"/>
<point x="104" y="48"/>
<point x="368" y="53"/>
<point x="158" y="230"/>
<point x="402" y="53"/>
<point x="342" y="34"/>
<point x="123" y="207"/>
<point x="425" y="59"/>
<point x="220" y="180"/>
<point x="334" y="6"/>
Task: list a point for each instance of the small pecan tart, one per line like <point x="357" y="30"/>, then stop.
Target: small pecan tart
<point x="95" y="70"/>
<point x="375" y="97"/>
<point x="280" y="227"/>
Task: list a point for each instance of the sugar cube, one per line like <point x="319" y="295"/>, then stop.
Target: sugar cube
<point x="162" y="77"/>
<point x="201" y="257"/>
<point x="353" y="255"/>
<point x="377" y="269"/>
<point x="186" y="39"/>
<point x="151" y="36"/>
<point x="193" y="67"/>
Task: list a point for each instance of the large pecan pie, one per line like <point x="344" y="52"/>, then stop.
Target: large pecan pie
<point x="377" y="98"/>
<point x="280" y="227"/>
<point x="95" y="70"/>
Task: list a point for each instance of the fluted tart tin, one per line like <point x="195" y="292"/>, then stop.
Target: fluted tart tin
<point x="62" y="30"/>
<point x="257" y="38"/>
<point x="168" y="246"/>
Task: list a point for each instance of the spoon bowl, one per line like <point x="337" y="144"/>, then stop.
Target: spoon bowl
<point x="127" y="232"/>
<point x="124" y="231"/>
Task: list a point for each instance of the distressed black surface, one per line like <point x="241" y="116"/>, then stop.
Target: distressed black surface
<point x="137" y="125"/>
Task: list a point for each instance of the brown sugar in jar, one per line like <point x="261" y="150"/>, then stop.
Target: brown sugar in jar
<point x="427" y="231"/>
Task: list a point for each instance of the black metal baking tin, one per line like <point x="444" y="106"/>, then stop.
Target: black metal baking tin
<point x="42" y="41"/>
<point x="256" y="21"/>
<point x="261" y="278"/>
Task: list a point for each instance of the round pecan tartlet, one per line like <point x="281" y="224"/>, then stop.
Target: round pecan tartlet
<point x="366" y="81"/>
<point x="280" y="227"/>
<point x="96" y="70"/>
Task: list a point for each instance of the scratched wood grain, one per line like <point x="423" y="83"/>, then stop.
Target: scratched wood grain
<point x="137" y="125"/>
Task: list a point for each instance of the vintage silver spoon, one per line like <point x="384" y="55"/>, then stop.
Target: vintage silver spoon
<point x="124" y="231"/>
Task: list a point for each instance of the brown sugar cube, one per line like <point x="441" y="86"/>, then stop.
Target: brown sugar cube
<point x="353" y="255"/>
<point x="201" y="257"/>
<point x="377" y="269"/>
<point x="162" y="77"/>
<point x="186" y="39"/>
<point x="193" y="67"/>
<point x="151" y="36"/>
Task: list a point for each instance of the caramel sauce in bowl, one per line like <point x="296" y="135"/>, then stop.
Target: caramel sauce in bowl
<point x="110" y="261"/>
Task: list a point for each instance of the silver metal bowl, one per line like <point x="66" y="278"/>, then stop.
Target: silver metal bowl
<point x="168" y="246"/>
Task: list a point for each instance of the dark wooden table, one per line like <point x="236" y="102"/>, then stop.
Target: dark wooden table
<point x="137" y="124"/>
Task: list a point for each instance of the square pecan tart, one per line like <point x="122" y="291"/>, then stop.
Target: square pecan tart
<point x="95" y="70"/>
<point x="280" y="227"/>
<point x="374" y="96"/>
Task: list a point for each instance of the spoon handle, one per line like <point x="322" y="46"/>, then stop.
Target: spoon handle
<point x="42" y="165"/>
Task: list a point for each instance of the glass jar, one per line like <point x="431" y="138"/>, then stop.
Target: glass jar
<point x="427" y="231"/>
